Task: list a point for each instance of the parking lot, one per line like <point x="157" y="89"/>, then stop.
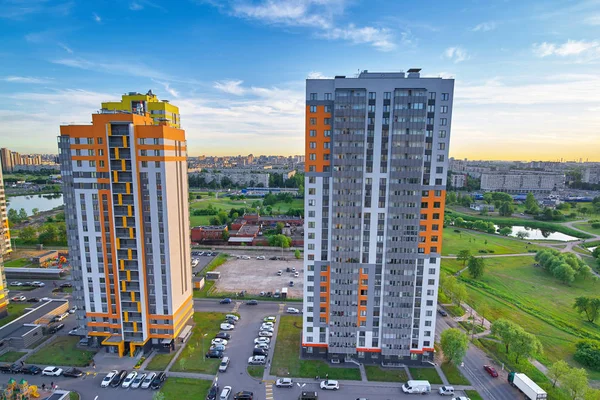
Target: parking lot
<point x="203" y="260"/>
<point x="257" y="276"/>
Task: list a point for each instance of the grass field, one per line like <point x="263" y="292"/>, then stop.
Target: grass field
<point x="286" y="361"/>
<point x="427" y="374"/>
<point x="18" y="263"/>
<point x="453" y="242"/>
<point x="207" y="323"/>
<point x="587" y="227"/>
<point x="453" y="374"/>
<point x="473" y="395"/>
<point x="256" y="371"/>
<point x="514" y="289"/>
<point x="185" y="388"/>
<point x="11" y="356"/>
<point x="378" y="374"/>
<point x="160" y="361"/>
<point x="62" y="351"/>
<point x="199" y="220"/>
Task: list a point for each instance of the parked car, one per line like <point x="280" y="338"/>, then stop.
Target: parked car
<point x="291" y="283"/>
<point x="225" y="301"/>
<point x="293" y="269"/>
<point x="214" y="354"/>
<point x="224" y="364"/>
<point x="225" y="393"/>
<point x="129" y="379"/>
<point x="251" y="302"/>
<point x="38" y="284"/>
<point x="18" y="299"/>
<point x="230" y="321"/>
<point x="66" y="284"/>
<point x="232" y="316"/>
<point x="223" y="335"/>
<point x="257" y="360"/>
<point x="74" y="332"/>
<point x="259" y="352"/>
<point x="244" y="395"/>
<point x="491" y="370"/>
<point x="266" y="329"/>
<point x="262" y="340"/>
<point x="108" y="378"/>
<point x="219" y="341"/>
<point x="55" y="328"/>
<point x="217" y="347"/>
<point x="260" y="257"/>
<point x="296" y="274"/>
<point x="72" y="310"/>
<point x="265" y="333"/>
<point x="16" y="284"/>
<point x="226" y="327"/>
<point x="33" y="300"/>
<point x="213" y="392"/>
<point x="158" y="381"/>
<point x="263" y="346"/>
<point x="16" y="368"/>
<point x="442" y="313"/>
<point x="52" y="371"/>
<point x="5" y="368"/>
<point x="148" y="380"/>
<point x="292" y="310"/>
<point x="446" y="391"/>
<point x="329" y="385"/>
<point x="279" y="273"/>
<point x="138" y="381"/>
<point x="31" y="370"/>
<point x="270" y="318"/>
<point x="116" y="382"/>
<point x="73" y="373"/>
<point x="284" y="382"/>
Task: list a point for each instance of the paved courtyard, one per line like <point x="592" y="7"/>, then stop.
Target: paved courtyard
<point x="257" y="276"/>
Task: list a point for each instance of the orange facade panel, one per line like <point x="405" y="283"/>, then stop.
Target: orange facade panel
<point x="325" y="293"/>
<point x="432" y="215"/>
<point x="316" y="143"/>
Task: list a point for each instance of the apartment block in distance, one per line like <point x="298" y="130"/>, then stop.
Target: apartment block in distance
<point x="376" y="167"/>
<point x="125" y="191"/>
<point x="5" y="248"/>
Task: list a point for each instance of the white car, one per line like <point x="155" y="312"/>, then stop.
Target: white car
<point x="284" y="382"/>
<point x="147" y="381"/>
<point x="266" y="329"/>
<point x="128" y="379"/>
<point x="108" y="378"/>
<point x="227" y="327"/>
<point x="330" y="385"/>
<point x="74" y="332"/>
<point x="261" y="258"/>
<point x="218" y="341"/>
<point x="262" y="345"/>
<point x="195" y="262"/>
<point x="446" y="391"/>
<point x="232" y="316"/>
<point x="265" y="334"/>
<point x="262" y="340"/>
<point x="296" y="274"/>
<point x="292" y="310"/>
<point x="16" y="284"/>
<point x="257" y="360"/>
<point x="267" y="324"/>
<point x="461" y="398"/>
<point x="225" y="393"/>
<point x="38" y="284"/>
<point x="45" y="299"/>
<point x="52" y="371"/>
<point x="270" y="319"/>
<point x="245" y="258"/>
<point x="138" y="381"/>
<point x="72" y="310"/>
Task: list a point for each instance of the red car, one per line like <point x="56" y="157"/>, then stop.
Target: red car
<point x="491" y="370"/>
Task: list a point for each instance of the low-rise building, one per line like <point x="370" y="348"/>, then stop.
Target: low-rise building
<point x="522" y="182"/>
<point x="207" y="233"/>
<point x="591" y="175"/>
<point x="458" y="180"/>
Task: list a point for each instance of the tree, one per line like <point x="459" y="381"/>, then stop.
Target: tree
<point x="279" y="227"/>
<point x="280" y="241"/>
<point x="506" y="209"/>
<point x="506" y="231"/>
<point x="476" y="267"/>
<point x="557" y="371"/>
<point x="28" y="234"/>
<point x="505" y="330"/>
<point x="22" y="214"/>
<point x="531" y="204"/>
<point x="588" y="305"/>
<point x="464" y="256"/>
<point x="13" y="216"/>
<point x="525" y="344"/>
<point x="575" y="382"/>
<point x="35" y="211"/>
<point x="587" y="352"/>
<point x="454" y="344"/>
<point x="297" y="254"/>
<point x="522" y="234"/>
<point x="483" y="310"/>
<point x="225" y="235"/>
<point x="459" y="294"/>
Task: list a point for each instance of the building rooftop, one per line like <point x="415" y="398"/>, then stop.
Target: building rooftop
<point x="38" y="310"/>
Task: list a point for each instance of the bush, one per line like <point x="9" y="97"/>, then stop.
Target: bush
<point x="596" y="225"/>
<point x="588" y="353"/>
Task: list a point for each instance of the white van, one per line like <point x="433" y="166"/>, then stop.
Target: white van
<point x="224" y="364"/>
<point x="419" y="387"/>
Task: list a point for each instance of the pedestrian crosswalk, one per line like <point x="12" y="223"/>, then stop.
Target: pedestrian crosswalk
<point x="281" y="306"/>
<point x="269" y="390"/>
<point x="236" y="307"/>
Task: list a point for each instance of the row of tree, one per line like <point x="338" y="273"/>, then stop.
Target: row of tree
<point x="478" y="225"/>
<point x="573" y="380"/>
<point x="515" y="338"/>
<point x="48" y="234"/>
<point x="566" y="267"/>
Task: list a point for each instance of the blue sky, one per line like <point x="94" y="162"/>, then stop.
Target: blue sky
<point x="527" y="72"/>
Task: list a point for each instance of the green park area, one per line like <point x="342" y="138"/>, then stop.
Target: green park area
<point x="589" y="226"/>
<point x="62" y="350"/>
<point x="17" y="263"/>
<point x="455" y="240"/>
<point x="286" y="358"/>
<point x="185" y="388"/>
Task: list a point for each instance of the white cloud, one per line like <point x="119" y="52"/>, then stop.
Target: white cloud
<point x="231" y="87"/>
<point x="317" y="75"/>
<point x="485" y="27"/>
<point x="456" y="54"/>
<point x="97" y="18"/>
<point x="569" y="48"/>
<point x="66" y="48"/>
<point x="317" y="14"/>
<point x="132" y="68"/>
<point x="168" y="88"/>
<point x="134" y="6"/>
<point x="592" y="20"/>
<point x="24" y="79"/>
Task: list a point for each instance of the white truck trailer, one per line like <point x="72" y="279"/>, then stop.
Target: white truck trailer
<point x="528" y="387"/>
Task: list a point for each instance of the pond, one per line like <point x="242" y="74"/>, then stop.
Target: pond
<point x="43" y="202"/>
<point x="538" y="234"/>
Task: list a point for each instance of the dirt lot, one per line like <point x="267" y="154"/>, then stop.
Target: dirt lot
<point x="257" y="276"/>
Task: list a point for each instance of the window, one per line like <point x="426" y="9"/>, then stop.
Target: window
<point x="313" y="109"/>
<point x="311" y="235"/>
<point x="327" y="121"/>
<point x="313" y="121"/>
<point x="313" y="96"/>
<point x="445" y="96"/>
<point x="444" y="109"/>
<point x="442" y="134"/>
<point x="443" y="121"/>
<point x="312" y="202"/>
<point x="328" y="96"/>
<point x="327" y="132"/>
<point x="312" y="191"/>
<point x="441" y="146"/>
<point x="431" y="95"/>
<point x="312" y="133"/>
<point x="387" y="95"/>
<point x="372" y="95"/>
<point x="312" y="179"/>
<point x="327" y="109"/>
<point x="313" y="145"/>
<point x="428" y="313"/>
<point x="312" y="156"/>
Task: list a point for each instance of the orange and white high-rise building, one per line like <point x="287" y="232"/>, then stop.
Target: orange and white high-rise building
<point x="126" y="206"/>
<point x="5" y="248"/>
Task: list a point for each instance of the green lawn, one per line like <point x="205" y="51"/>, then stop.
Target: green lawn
<point x="160" y="361"/>
<point x="473" y="395"/>
<point x="453" y="242"/>
<point x="378" y="374"/>
<point x="468" y="326"/>
<point x="11" y="356"/>
<point x="286" y="357"/>
<point x="455" y="311"/>
<point x="62" y="351"/>
<point x="15" y="310"/>
<point x="256" y="371"/>
<point x="207" y="323"/>
<point x="18" y="263"/>
<point x="427" y="374"/>
<point x="282" y="208"/>
<point x="584" y="226"/>
<point x="453" y="374"/>
<point x="199" y="220"/>
<point x="185" y="388"/>
<point x="514" y="289"/>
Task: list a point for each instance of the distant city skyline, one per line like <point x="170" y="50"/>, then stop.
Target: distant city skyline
<point x="236" y="69"/>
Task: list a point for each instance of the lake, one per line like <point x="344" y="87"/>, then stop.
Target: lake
<point x="538" y="234"/>
<point x="43" y="202"/>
